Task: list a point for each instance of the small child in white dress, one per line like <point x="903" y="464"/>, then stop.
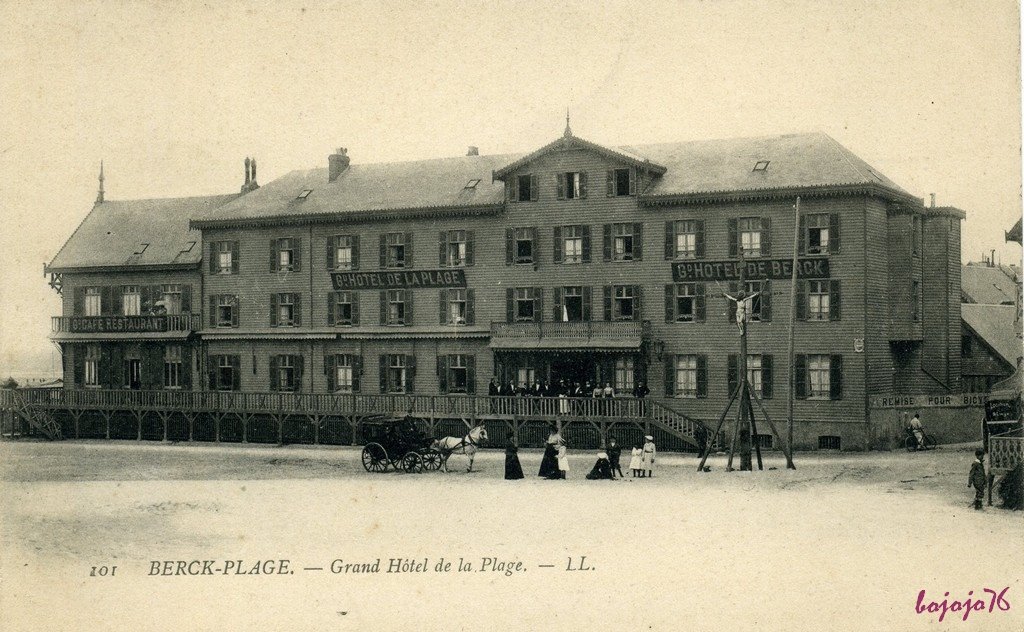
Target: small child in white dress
<point x="636" y="459"/>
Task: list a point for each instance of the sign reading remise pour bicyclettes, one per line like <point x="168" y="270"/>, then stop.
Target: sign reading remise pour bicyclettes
<point x="816" y="268"/>
<point x="398" y="279"/>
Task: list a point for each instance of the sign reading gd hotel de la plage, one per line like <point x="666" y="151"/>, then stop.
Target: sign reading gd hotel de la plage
<point x="398" y="279"/>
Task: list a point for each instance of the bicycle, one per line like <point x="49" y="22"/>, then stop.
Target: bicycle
<point x="911" y="443"/>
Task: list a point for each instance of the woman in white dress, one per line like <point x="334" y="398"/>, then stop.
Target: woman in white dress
<point x="647" y="462"/>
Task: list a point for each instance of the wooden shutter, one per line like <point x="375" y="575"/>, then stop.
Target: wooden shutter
<point x="835" y="300"/>
<point x="583" y="185"/>
<point x="534" y="187"/>
<point x="766" y="301"/>
<point x="297" y="310"/>
<point x="152" y="366"/>
<point x="214" y="299"/>
<point x="698" y="240"/>
<point x="538" y="304"/>
<point x="442" y="239"/>
<point x="383" y="307"/>
<point x="801" y="300"/>
<point x="273" y="255"/>
<point x="410" y="374"/>
<point x="767" y="376"/>
<point x="111" y="366"/>
<point x="609" y="183"/>
<point x="586" y="303"/>
<point x="670" y="303"/>
<point x="733" y="374"/>
<point x="355" y="307"/>
<point x="186" y="298"/>
<point x="79" y="351"/>
<point x="443" y="303"/>
<point x="235" y="309"/>
<point x="670" y="240"/>
<point x="702" y="376"/>
<point x="534" y="245"/>
<point x="299" y="362"/>
<point x="559" y="253"/>
<point x="355" y="251"/>
<point x="586" y="244"/>
<point x="236" y="373"/>
<point x="833" y="233"/>
<point x="407" y="298"/>
<point x="383" y="371"/>
<point x="408" y="250"/>
<point x="766" y="236"/>
<point x="699" y="303"/>
<point x="274" y="382"/>
<point x="638" y="241"/>
<point x="632" y="181"/>
<point x="330" y="363"/>
<point x="297" y="254"/>
<point x="78" y="302"/>
<point x="273" y="310"/>
<point x="556" y="311"/>
<point x="670" y="375"/>
<point x="332" y="304"/>
<point x="117" y="300"/>
<point x="560" y="185"/>
<point x="357" y="371"/>
<point x="835" y="377"/>
<point x="513" y="190"/>
<point x="607" y="302"/>
<point x="510" y="246"/>
<point x="186" y="367"/>
<point x="234" y="257"/>
<point x="383" y="251"/>
<point x="470" y="374"/>
<point x="470" y="241"/>
<point x="802" y="236"/>
<point x="332" y="252"/>
<point x="800" y="376"/>
<point x="638" y="302"/>
<point x="607" y="242"/>
<point x="214" y="269"/>
<point x="212" y="363"/>
<point x="106" y="308"/>
<point x="442" y="374"/>
<point x="510" y="305"/>
<point x="470" y="306"/>
<point x="733" y="237"/>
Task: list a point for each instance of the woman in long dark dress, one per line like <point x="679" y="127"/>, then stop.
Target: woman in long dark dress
<point x="513" y="471"/>
<point x="549" y="463"/>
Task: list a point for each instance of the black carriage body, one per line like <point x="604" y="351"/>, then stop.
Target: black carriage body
<point x="400" y="443"/>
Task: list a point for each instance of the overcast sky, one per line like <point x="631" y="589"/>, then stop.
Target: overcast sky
<point x="173" y="96"/>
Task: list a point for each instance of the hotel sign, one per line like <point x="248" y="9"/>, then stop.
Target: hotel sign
<point x="117" y="324"/>
<point x="398" y="279"/>
<point x="688" y="271"/>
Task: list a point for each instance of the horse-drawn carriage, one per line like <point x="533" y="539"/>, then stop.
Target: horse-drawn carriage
<point x="401" y="444"/>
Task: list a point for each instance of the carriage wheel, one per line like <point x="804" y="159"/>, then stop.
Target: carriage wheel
<point x="412" y="463"/>
<point x="432" y="460"/>
<point x="375" y="458"/>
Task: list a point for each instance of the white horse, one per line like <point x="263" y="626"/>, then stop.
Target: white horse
<point x="467" y="445"/>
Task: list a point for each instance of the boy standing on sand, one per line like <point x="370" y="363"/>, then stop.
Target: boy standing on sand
<point x="977" y="478"/>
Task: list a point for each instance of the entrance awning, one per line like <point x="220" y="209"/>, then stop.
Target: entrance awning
<point x="569" y="336"/>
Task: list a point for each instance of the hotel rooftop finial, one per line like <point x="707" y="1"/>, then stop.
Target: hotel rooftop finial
<point x="99" y="195"/>
<point x="568" y="130"/>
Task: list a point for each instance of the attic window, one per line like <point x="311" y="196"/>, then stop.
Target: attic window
<point x="304" y="194"/>
<point x="189" y="247"/>
<point x="762" y="165"/>
<point x="142" y="249"/>
<point x="875" y="175"/>
<point x="472" y="183"/>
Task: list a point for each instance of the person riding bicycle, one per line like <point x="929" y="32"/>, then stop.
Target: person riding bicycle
<point x="918" y="429"/>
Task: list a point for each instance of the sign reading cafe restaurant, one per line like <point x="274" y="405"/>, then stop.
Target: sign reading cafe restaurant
<point x="810" y="268"/>
<point x="398" y="279"/>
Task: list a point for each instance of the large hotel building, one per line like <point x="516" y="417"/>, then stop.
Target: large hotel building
<point x="408" y="286"/>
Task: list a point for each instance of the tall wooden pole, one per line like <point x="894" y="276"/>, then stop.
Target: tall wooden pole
<point x="791" y="365"/>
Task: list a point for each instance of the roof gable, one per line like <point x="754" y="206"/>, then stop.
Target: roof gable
<point x="995" y="326"/>
<point x="568" y="141"/>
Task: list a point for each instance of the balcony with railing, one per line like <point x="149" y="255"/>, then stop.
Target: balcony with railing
<point x="126" y="324"/>
<point x="626" y="334"/>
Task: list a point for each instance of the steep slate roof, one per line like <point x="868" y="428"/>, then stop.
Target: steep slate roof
<point x="422" y="184"/>
<point x="987" y="285"/>
<point x="114" y="231"/>
<point x="994" y="325"/>
<point x="797" y="161"/>
<point x="1014" y="233"/>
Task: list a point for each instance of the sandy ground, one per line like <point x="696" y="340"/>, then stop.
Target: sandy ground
<point x="845" y="542"/>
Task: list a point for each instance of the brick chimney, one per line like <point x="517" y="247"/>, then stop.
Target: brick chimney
<point x="336" y="163"/>
<point x="250" y="176"/>
<point x="473" y="151"/>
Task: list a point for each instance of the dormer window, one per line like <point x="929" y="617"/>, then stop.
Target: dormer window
<point x="304" y="194"/>
<point x="762" y="165"/>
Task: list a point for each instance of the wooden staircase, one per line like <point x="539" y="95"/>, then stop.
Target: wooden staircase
<point x="690" y="430"/>
<point x="37" y="417"/>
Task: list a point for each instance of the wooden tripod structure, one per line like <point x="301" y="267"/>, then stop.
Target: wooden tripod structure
<point x="744" y="397"/>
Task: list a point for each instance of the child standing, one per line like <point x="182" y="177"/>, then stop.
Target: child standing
<point x="634" y="459"/>
<point x="614" y="453"/>
<point x="977" y="478"/>
<point x="563" y="460"/>
<point x="647" y="463"/>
